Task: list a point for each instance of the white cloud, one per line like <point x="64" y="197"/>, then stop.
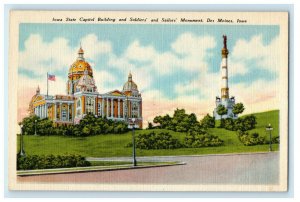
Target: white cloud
<point x="236" y="68"/>
<point x="267" y="56"/>
<point x="205" y="86"/>
<point x="105" y="81"/>
<point x="40" y="56"/>
<point x="93" y="47"/>
<point x="194" y="49"/>
<point x="137" y="52"/>
<point x="189" y="52"/>
<point x="190" y="44"/>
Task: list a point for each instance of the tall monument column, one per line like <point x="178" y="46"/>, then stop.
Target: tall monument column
<point x="225" y="52"/>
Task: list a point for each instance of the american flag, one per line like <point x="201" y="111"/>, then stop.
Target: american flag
<point x="51" y="77"/>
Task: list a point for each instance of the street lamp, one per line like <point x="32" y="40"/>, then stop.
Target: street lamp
<point x="132" y="124"/>
<point x="35" y="127"/>
<point x="22" y="152"/>
<point x="269" y="128"/>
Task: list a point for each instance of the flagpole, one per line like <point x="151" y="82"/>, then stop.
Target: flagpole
<point x="47" y="84"/>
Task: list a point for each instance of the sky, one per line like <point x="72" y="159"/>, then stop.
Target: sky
<point x="174" y="66"/>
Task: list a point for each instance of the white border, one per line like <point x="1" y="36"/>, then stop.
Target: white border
<point x="294" y="99"/>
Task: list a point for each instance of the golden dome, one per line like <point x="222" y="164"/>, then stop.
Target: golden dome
<point x="79" y="66"/>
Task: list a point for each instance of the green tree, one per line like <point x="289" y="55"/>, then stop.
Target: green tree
<point x="221" y="110"/>
<point x="238" y="108"/>
<point x="158" y="120"/>
<point x="208" y="122"/>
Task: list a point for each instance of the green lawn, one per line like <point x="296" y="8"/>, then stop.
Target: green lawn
<point x="114" y="145"/>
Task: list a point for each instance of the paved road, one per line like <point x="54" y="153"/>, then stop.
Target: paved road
<point x="260" y="168"/>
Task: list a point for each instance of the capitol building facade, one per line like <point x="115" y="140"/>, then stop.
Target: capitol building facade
<point x="83" y="98"/>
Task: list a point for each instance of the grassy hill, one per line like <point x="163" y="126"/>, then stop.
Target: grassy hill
<point x="115" y="145"/>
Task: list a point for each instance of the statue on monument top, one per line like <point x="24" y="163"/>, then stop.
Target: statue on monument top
<point x="225" y="41"/>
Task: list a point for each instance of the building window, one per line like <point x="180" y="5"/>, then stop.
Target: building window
<point x="134" y="110"/>
<point x="90" y="105"/>
<point x="64" y="114"/>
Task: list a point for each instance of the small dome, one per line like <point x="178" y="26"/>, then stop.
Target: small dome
<point x="130" y="85"/>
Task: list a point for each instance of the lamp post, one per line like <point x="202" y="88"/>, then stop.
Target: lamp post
<point x="269" y="128"/>
<point x="35" y="121"/>
<point x="22" y="152"/>
<point x="132" y="124"/>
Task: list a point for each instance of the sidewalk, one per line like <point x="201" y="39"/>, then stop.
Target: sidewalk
<point x="166" y="158"/>
<point x="93" y="168"/>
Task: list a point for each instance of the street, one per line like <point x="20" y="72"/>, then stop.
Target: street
<point x="258" y="168"/>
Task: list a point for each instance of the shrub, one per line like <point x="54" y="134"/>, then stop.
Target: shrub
<point x="201" y="139"/>
<point x="250" y="139"/>
<point x="242" y="124"/>
<point x="88" y="126"/>
<point x="180" y="122"/>
<point x="208" y="122"/>
<point x="275" y="140"/>
<point x="154" y="140"/>
<point x="50" y="161"/>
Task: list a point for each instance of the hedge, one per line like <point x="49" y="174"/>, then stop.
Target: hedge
<point x="33" y="162"/>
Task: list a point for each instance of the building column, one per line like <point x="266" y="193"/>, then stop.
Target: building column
<point x="130" y="109"/>
<point x="68" y="116"/>
<point x="112" y="108"/>
<point x="46" y="110"/>
<point x="138" y="115"/>
<point x="55" y="112"/>
<point x="102" y="106"/>
<point x="119" y="108"/>
<point x="72" y="112"/>
<point x="95" y="106"/>
<point x="60" y="112"/>
<point x="40" y="114"/>
<point x="107" y="112"/>
<point x="123" y="109"/>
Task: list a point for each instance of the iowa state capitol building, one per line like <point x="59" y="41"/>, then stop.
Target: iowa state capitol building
<point x="83" y="98"/>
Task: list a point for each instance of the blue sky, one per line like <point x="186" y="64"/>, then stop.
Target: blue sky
<point x="172" y="62"/>
<point x="158" y="36"/>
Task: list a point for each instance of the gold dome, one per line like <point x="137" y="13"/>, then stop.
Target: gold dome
<point x="79" y="66"/>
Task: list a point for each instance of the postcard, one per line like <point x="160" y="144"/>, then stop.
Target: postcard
<point x="148" y="101"/>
